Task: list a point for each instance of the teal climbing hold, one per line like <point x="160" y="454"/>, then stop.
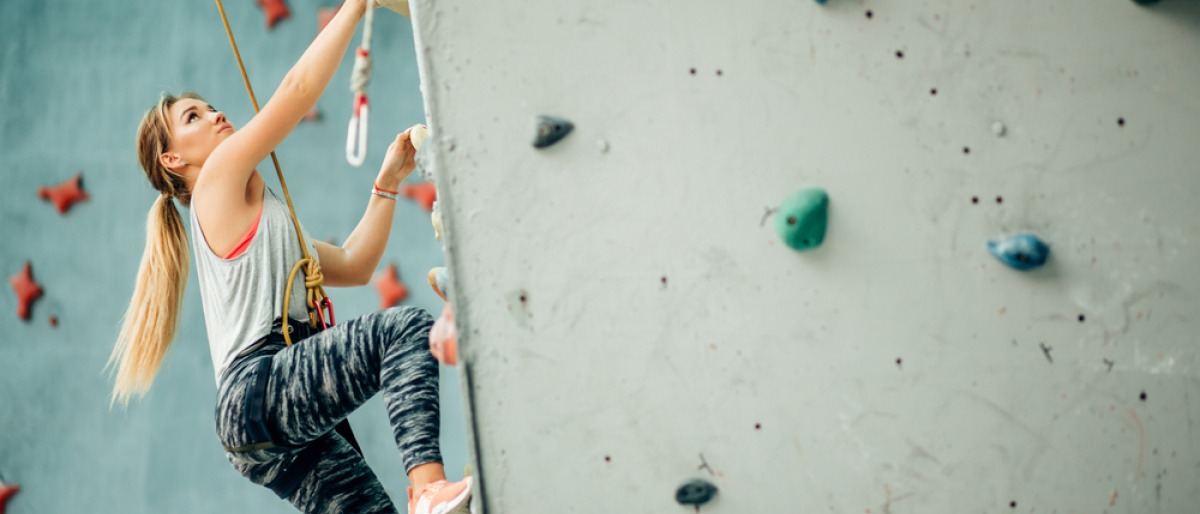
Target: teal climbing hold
<point x="801" y="220"/>
<point x="1022" y="252"/>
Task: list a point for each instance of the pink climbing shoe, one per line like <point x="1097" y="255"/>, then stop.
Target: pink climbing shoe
<point x="443" y="338"/>
<point x="441" y="497"/>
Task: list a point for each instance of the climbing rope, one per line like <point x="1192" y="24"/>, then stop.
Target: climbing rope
<point x="318" y="302"/>
<point x="356" y="133"/>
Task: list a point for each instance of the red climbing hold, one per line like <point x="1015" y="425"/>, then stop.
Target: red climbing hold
<point x="324" y="16"/>
<point x="424" y="193"/>
<point x="6" y="492"/>
<point x="64" y="195"/>
<point x="275" y="10"/>
<point x="391" y="290"/>
<point x="27" y="290"/>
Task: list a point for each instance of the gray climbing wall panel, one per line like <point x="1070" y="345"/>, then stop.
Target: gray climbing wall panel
<point x="75" y="78"/>
<point x="630" y="320"/>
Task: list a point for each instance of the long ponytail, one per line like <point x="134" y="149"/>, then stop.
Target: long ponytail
<point x="152" y="319"/>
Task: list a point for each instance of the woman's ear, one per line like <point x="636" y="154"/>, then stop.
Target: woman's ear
<point x="172" y="161"/>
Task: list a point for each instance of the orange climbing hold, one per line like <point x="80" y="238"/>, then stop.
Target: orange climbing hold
<point x="424" y="193"/>
<point x="443" y="338"/>
<point x="27" y="290"/>
<point x="391" y="290"/>
<point x="64" y="195"/>
<point x="6" y="492"/>
<point x="275" y="11"/>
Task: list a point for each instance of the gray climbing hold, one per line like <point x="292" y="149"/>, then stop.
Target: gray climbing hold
<point x="1021" y="252"/>
<point x="695" y="492"/>
<point x="550" y="130"/>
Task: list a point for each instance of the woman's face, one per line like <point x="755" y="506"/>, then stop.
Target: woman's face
<point x="196" y="129"/>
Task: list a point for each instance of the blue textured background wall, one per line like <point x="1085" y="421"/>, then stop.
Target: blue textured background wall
<point x="75" y="78"/>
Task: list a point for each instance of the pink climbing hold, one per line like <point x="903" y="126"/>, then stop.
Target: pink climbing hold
<point x="443" y="338"/>
<point x="275" y="11"/>
<point x="391" y="290"/>
<point x="66" y="194"/>
<point x="424" y="194"/>
<point x="27" y="290"/>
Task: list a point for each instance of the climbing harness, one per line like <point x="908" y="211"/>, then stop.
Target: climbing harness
<point x="318" y="303"/>
<point x="356" y="133"/>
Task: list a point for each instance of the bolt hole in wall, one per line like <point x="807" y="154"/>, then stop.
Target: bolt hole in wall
<point x="870" y="14"/>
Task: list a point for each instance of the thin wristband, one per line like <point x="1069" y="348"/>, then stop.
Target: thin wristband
<point x="376" y="186"/>
<point x="376" y="190"/>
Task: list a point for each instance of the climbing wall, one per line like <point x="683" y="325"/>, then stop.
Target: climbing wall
<point x="631" y="320"/>
<point x="75" y="79"/>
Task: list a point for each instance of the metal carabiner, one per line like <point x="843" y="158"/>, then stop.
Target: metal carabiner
<point x="356" y="133"/>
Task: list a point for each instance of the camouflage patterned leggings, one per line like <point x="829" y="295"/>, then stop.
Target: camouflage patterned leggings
<point x="277" y="406"/>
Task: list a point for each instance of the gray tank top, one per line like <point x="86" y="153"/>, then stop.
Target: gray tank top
<point x="242" y="296"/>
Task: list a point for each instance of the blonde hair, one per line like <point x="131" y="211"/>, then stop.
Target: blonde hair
<point x="152" y="318"/>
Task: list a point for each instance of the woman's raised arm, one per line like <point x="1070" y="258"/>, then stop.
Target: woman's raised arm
<point x="228" y="169"/>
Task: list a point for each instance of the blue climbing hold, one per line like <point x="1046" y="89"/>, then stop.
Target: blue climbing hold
<point x="695" y="492"/>
<point x="1022" y="252"/>
<point x="550" y="130"/>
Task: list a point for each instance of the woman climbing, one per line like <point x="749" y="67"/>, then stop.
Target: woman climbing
<point x="277" y="405"/>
